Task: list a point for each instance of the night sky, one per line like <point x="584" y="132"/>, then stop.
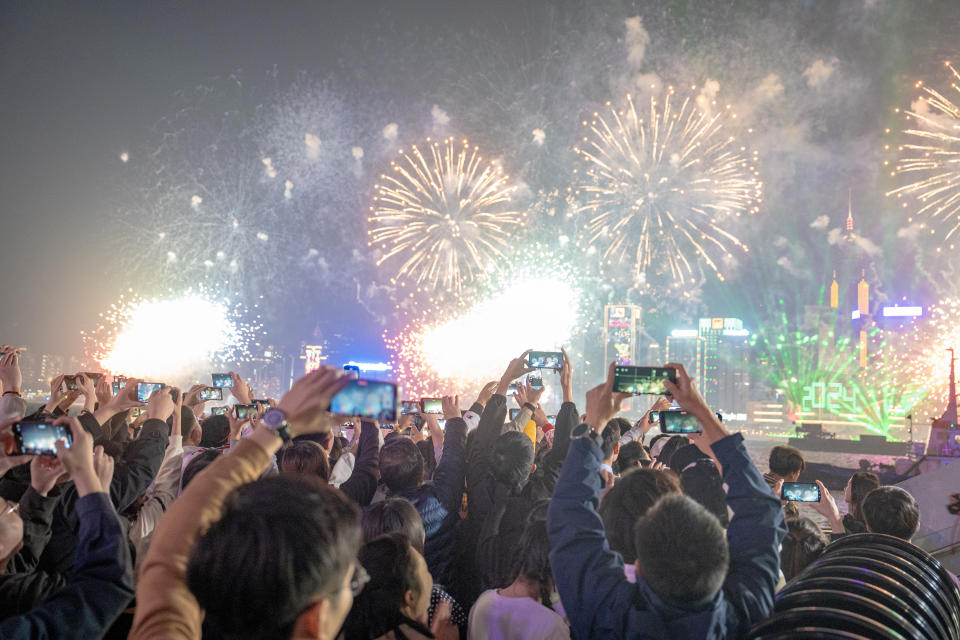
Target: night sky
<point x="83" y="82"/>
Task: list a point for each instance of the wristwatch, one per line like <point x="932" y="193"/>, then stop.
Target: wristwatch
<point x="276" y="421"/>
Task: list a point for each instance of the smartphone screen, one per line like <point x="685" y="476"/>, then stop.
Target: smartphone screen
<point x="800" y="492"/>
<point x="514" y="413"/>
<point x="222" y="380"/>
<point x="512" y="389"/>
<point x="546" y="359"/>
<point x="677" y="421"/>
<point x="116" y="387"/>
<point x="552" y="420"/>
<point x="144" y="389"/>
<point x="354" y="369"/>
<point x="432" y="405"/>
<point x="220" y="411"/>
<point x="211" y="393"/>
<point x="244" y="411"/>
<point x="367" y="399"/>
<point x="38" y="438"/>
<point x="410" y="407"/>
<point x="69" y="383"/>
<point x="535" y="381"/>
<point x="643" y="380"/>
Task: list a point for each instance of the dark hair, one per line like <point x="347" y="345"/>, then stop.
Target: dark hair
<point x="336" y="449"/>
<point x="401" y="465"/>
<point x="512" y="458"/>
<point x="667" y="560"/>
<point x="429" y="458"/>
<point x="393" y="515"/>
<point x="673" y="444"/>
<point x="629" y="499"/>
<point x="685" y="456"/>
<point x="861" y="483"/>
<point x="305" y="456"/>
<point x="623" y="425"/>
<point x="786" y="460"/>
<point x="197" y="464"/>
<point x="703" y="483"/>
<point x="390" y="563"/>
<point x="630" y="454"/>
<point x="286" y="539"/>
<point x="216" y="431"/>
<point x="891" y="510"/>
<point x="609" y="438"/>
<point x="654" y="439"/>
<point x="531" y="561"/>
<point x="803" y="544"/>
<point x="188" y="422"/>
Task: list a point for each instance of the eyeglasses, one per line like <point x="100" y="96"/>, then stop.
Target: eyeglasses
<point x="359" y="580"/>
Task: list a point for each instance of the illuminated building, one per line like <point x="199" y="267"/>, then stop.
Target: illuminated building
<point x="621" y="324"/>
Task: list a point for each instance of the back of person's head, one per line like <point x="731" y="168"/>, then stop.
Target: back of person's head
<point x="197" y="464"/>
<point x="674" y="443"/>
<point x="610" y="438"/>
<point x="623" y="425"/>
<point x="861" y="483"/>
<point x="188" y="424"/>
<point x="512" y="458"/>
<point x="394" y="515"/>
<point x="657" y="442"/>
<point x="891" y="510"/>
<point x="681" y="550"/>
<point x="289" y="540"/>
<point x="216" y="431"/>
<point x="305" y="457"/>
<point x="803" y="544"/>
<point x="631" y="456"/>
<point x="336" y="449"/>
<point x="392" y="565"/>
<point x="703" y="482"/>
<point x="685" y="456"/>
<point x="401" y="465"/>
<point x="629" y="499"/>
<point x="531" y="561"/>
<point x="785" y="461"/>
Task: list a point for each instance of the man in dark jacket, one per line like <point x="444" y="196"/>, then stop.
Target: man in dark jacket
<point x="437" y="501"/>
<point x="695" y="585"/>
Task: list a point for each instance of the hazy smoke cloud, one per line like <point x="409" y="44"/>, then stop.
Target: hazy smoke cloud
<point x="440" y="117"/>
<point x="708" y="94"/>
<point x="539" y="136"/>
<point x="820" y="223"/>
<point x="770" y="88"/>
<point x="910" y="232"/>
<point x="637" y="40"/>
<point x="357" y="152"/>
<point x="835" y="236"/>
<point x="819" y="72"/>
<point x="390" y="131"/>
<point x="313" y="145"/>
<point x="867" y="246"/>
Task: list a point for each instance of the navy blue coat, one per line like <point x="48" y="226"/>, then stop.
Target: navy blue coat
<point x="596" y="595"/>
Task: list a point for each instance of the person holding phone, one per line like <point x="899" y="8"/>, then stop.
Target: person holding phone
<point x="700" y="584"/>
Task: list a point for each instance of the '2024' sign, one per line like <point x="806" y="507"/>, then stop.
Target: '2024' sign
<point x="831" y="396"/>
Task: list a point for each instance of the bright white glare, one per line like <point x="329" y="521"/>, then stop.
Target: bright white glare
<point x="479" y="343"/>
<point x="167" y="340"/>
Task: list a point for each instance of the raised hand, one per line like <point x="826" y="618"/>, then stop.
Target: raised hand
<point x="602" y="403"/>
<point x="103" y="466"/>
<point x="10" y="375"/>
<point x="525" y="393"/>
<point x="44" y="473"/>
<point x="516" y="368"/>
<point x="104" y="391"/>
<point x="307" y="402"/>
<point x="486" y="393"/>
<point x="451" y="407"/>
<point x="685" y="393"/>
<point x="88" y="390"/>
<point x="240" y="389"/>
<point x="566" y="377"/>
<point x="160" y="405"/>
<point x="77" y="459"/>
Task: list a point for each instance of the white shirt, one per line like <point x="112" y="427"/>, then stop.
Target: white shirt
<point x="496" y="617"/>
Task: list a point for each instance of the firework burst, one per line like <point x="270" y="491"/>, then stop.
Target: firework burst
<point x="659" y="188"/>
<point x="444" y="217"/>
<point x="929" y="159"/>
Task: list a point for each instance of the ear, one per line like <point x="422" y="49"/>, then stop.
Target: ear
<point x="309" y="624"/>
<point x="616" y="449"/>
<point x="410" y="599"/>
<point x="533" y="468"/>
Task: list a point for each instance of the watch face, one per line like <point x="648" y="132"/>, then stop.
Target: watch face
<point x="273" y="419"/>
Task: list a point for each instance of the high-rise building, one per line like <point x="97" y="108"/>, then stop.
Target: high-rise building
<point x="726" y="364"/>
<point x="685" y="346"/>
<point x="621" y="328"/>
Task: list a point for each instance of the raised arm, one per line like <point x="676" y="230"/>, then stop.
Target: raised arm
<point x="449" y="475"/>
<point x="362" y="484"/>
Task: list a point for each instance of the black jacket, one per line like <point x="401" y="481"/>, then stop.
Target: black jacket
<point x="362" y="483"/>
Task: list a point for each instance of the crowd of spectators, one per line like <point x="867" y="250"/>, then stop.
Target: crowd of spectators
<point x="165" y="519"/>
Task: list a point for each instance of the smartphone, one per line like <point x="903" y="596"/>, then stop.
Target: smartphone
<point x="69" y="383"/>
<point x="535" y="381"/>
<point x="211" y="393"/>
<point x="514" y="413"/>
<point x="431" y="405"/>
<point x="220" y="411"/>
<point x="117" y="386"/>
<point x="135" y="412"/>
<point x="678" y="421"/>
<point x="546" y="360"/>
<point x="144" y="389"/>
<point x="368" y="399"/>
<point x="643" y="380"/>
<point x="552" y="420"/>
<point x="243" y="411"/>
<point x="654" y="417"/>
<point x="512" y="389"/>
<point x="93" y="376"/>
<point x="410" y="407"/>
<point x="222" y="380"/>
<point x="800" y="492"/>
<point x="38" y="438"/>
<point x="354" y="368"/>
